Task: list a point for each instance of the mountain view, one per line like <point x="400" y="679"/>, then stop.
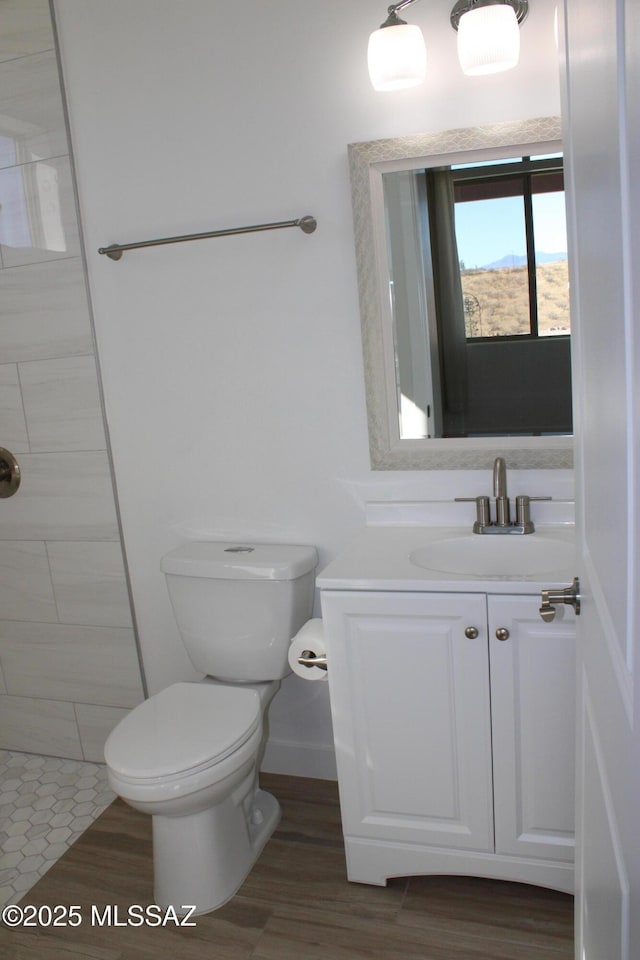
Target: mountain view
<point x="514" y="260"/>
<point x="496" y="297"/>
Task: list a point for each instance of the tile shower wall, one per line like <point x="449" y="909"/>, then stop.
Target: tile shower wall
<point x="68" y="662"/>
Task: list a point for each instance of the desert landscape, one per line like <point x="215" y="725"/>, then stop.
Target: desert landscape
<point x="497" y="300"/>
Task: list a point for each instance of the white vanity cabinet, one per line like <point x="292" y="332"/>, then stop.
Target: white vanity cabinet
<point x="533" y="728"/>
<point x="455" y="749"/>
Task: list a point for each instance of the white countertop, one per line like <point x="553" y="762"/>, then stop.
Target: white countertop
<point x="379" y="559"/>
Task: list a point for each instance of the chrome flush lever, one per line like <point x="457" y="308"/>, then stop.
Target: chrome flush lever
<point x="570" y="595"/>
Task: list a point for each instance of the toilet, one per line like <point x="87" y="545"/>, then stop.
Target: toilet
<point x="190" y="755"/>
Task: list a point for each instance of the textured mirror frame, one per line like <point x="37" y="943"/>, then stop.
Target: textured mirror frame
<point x="368" y="161"/>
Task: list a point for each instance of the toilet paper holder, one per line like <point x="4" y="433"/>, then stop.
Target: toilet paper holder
<point x="310" y="659"/>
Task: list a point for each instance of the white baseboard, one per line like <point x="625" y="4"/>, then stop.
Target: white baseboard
<point x="300" y="760"/>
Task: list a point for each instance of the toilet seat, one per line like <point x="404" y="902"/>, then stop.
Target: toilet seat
<point x="185" y="728"/>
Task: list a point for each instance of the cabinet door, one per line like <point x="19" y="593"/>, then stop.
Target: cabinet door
<point x="410" y="706"/>
<point x="533" y="728"/>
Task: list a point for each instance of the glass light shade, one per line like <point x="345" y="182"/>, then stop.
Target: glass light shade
<point x="488" y="40"/>
<point x="397" y="57"/>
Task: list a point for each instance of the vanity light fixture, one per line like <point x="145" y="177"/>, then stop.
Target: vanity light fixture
<point x="488" y="42"/>
<point x="397" y="55"/>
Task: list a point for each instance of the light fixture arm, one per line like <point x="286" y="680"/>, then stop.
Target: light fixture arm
<point x="392" y="13"/>
<point x="520" y="8"/>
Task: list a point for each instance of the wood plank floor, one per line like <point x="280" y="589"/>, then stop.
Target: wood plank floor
<point x="295" y="905"/>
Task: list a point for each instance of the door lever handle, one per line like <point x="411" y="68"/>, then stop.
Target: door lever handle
<point x="569" y="595"/>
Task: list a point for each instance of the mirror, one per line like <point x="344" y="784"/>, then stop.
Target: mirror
<point x="412" y="361"/>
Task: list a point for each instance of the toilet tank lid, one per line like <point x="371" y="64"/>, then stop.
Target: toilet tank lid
<point x="240" y="561"/>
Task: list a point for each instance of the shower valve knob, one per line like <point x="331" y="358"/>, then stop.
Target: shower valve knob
<point x="9" y="474"/>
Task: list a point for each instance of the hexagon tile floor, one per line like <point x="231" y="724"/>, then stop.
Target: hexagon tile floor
<point x="45" y="804"/>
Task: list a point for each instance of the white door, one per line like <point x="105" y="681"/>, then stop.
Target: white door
<point x="601" y="89"/>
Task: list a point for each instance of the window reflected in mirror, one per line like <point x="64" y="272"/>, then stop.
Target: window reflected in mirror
<point x="511" y="234"/>
<point x="479" y="295"/>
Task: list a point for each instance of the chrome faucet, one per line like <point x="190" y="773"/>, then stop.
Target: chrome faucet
<point x="502" y="522"/>
<point x="499" y="477"/>
<point x="500" y="492"/>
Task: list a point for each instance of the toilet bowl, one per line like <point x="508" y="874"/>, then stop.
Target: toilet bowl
<point x="189" y="756"/>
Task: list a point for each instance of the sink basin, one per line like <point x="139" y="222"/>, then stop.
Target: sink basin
<point x="509" y="555"/>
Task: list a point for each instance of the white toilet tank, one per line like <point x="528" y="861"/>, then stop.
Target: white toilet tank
<point x="239" y="605"/>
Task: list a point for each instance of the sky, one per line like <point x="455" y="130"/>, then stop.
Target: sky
<point x="484" y="238"/>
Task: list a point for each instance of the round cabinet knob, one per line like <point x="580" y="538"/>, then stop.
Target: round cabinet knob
<point x="502" y="633"/>
<point x="471" y="633"/>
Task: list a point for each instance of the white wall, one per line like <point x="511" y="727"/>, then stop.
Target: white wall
<point x="232" y="368"/>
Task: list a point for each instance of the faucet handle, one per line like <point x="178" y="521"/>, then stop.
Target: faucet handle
<point x="483" y="511"/>
<point x="523" y="516"/>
